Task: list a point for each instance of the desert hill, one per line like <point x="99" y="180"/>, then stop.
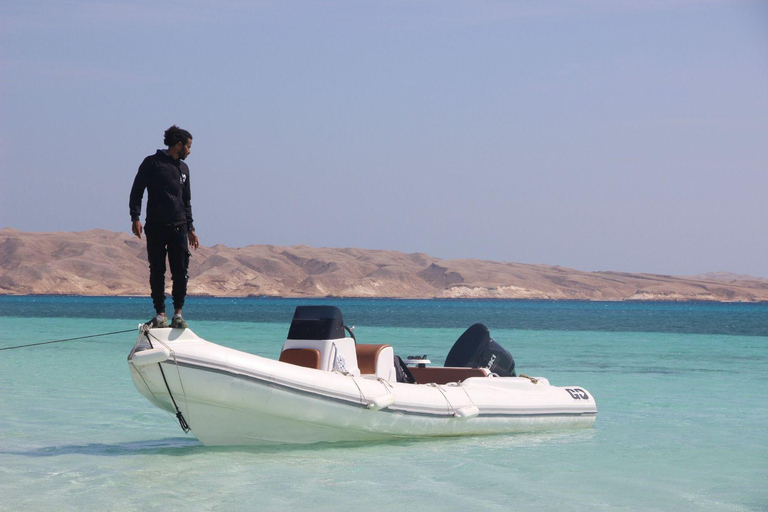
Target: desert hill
<point x="100" y="262"/>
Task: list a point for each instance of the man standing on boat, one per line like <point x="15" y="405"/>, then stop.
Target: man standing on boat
<point x="168" y="224"/>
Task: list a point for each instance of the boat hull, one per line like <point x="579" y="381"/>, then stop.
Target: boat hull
<point x="229" y="397"/>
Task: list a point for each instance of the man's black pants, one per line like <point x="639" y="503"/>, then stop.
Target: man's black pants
<point x="168" y="241"/>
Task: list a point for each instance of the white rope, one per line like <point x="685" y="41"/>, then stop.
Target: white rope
<point x="178" y="373"/>
<point x="143" y="333"/>
<point x="467" y="393"/>
<point x="363" y="400"/>
<point x="387" y="385"/>
<point x="450" y="405"/>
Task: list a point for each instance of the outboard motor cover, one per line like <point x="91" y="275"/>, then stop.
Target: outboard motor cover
<point x="316" y="323"/>
<point x="476" y="349"/>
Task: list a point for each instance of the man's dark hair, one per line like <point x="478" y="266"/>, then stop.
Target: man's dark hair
<point x="174" y="135"/>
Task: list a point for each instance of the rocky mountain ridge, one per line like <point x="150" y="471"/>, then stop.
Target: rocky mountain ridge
<point x="101" y="262"/>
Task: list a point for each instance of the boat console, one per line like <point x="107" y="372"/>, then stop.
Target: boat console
<point x="316" y="339"/>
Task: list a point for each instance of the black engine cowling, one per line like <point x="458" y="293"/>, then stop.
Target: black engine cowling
<point x="476" y="349"/>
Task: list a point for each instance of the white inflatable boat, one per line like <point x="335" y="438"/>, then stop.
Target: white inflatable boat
<point x="327" y="387"/>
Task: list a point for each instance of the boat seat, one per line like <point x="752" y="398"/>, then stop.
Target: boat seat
<point x="306" y="357"/>
<point x="376" y="360"/>
<point x="444" y="375"/>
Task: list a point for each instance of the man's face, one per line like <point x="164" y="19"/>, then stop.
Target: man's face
<point x="186" y="150"/>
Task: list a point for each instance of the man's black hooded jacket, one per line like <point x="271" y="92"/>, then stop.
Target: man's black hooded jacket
<point x="168" y="192"/>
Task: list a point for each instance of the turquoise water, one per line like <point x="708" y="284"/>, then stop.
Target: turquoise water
<point x="681" y="391"/>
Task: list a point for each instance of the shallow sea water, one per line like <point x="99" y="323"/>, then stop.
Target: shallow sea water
<point x="682" y="414"/>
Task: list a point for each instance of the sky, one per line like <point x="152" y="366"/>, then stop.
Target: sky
<point x="624" y="135"/>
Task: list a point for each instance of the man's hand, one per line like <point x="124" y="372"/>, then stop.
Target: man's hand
<point x="193" y="241"/>
<point x="136" y="228"/>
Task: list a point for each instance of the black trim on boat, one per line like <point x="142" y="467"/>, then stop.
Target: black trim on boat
<point x="391" y="410"/>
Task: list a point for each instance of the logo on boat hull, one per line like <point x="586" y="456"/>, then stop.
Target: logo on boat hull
<point x="577" y="394"/>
